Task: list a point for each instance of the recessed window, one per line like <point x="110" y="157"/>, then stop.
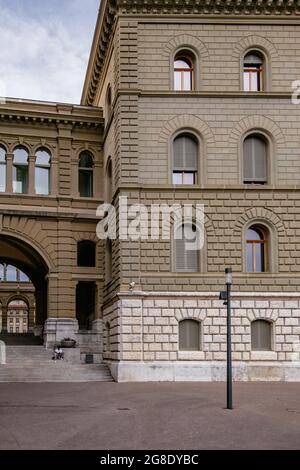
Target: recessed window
<point x="261" y="335"/>
<point x="189" y="335"/>
<point x="109" y="181"/>
<point x="108" y="261"/>
<point x="42" y="172"/>
<point x="253" y="71"/>
<point x="186" y="249"/>
<point x="255" y="159"/>
<point x="184" y="71"/>
<point x="185" y="160"/>
<point x="86" y="254"/>
<point x="2" y="169"/>
<point x="86" y="170"/>
<point x="108" y="102"/>
<point x="20" y="171"/>
<point x="256" y="249"/>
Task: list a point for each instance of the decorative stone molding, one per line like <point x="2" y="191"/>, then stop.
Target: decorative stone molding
<point x="259" y="213"/>
<point x="186" y="121"/>
<point x="31" y="233"/>
<point x="185" y="40"/>
<point x="85" y="236"/>
<point x="270" y="314"/>
<point x="190" y="314"/>
<point x="253" y="41"/>
<point x="256" y="122"/>
<point x="210" y="7"/>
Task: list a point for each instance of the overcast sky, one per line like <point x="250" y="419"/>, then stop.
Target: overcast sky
<point x="44" y="48"/>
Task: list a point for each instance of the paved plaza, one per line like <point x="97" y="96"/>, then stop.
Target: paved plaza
<point x="149" y="416"/>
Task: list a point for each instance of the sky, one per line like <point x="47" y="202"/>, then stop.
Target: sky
<point x="44" y="48"/>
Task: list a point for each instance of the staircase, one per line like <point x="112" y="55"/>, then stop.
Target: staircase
<point x="35" y="364"/>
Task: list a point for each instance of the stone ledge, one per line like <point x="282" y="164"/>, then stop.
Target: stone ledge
<point x="197" y="371"/>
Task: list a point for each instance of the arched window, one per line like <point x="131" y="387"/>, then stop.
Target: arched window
<point x="253" y="71"/>
<point x="261" y="335"/>
<point x="184" y="71"/>
<point x="20" y="170"/>
<point x="255" y="159"/>
<point x="2" y="272"/>
<point x="109" y="181"/>
<point x="108" y="261"/>
<point x="23" y="277"/>
<point x="86" y="254"/>
<point x="186" y="249"/>
<point x="108" y="102"/>
<point x="189" y="335"/>
<point x="185" y="159"/>
<point x="2" y="170"/>
<point x="86" y="165"/>
<point x="257" y="249"/>
<point x="42" y="171"/>
<point x="11" y="273"/>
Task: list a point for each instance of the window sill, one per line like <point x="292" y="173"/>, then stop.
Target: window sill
<point x="263" y="356"/>
<point x="191" y="355"/>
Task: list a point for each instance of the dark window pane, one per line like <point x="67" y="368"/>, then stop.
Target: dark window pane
<point x="85" y="183"/>
<point x="86" y="255"/>
<point x="86" y="160"/>
<point x="20" y="179"/>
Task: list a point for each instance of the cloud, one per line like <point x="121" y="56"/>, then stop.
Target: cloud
<point x="44" y="49"/>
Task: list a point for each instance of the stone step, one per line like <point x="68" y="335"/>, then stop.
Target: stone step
<point x="35" y="364"/>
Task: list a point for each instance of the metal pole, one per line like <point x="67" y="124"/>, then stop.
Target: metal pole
<point x="229" y="358"/>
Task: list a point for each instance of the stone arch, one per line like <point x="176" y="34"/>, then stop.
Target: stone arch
<point x="185" y="40"/>
<point x="17" y="297"/>
<point x="257" y="214"/>
<point x="256" y="123"/>
<point x="186" y="122"/>
<point x="78" y="237"/>
<point x="254" y="41"/>
<point x="29" y="231"/>
<point x="268" y="314"/>
<point x="190" y="314"/>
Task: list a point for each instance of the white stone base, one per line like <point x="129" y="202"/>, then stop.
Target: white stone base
<point x="56" y="329"/>
<point x="188" y="371"/>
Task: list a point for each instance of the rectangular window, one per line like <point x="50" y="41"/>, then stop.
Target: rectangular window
<point x="85" y="183"/>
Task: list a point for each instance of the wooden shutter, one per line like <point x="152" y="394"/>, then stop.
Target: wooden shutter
<point x="185" y="151"/>
<point x="261" y="335"/>
<point x="186" y="260"/>
<point x="189" y="335"/>
<point x="255" y="160"/>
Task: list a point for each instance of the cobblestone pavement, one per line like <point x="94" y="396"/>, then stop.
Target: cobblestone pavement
<point x="149" y="416"/>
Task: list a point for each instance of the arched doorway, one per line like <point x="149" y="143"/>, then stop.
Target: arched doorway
<point x="23" y="288"/>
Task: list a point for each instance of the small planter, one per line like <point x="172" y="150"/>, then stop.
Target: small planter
<point x="68" y="343"/>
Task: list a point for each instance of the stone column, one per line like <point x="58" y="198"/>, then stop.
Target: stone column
<point x="31" y="174"/>
<point x="4" y="319"/>
<point x="31" y="318"/>
<point x="9" y="172"/>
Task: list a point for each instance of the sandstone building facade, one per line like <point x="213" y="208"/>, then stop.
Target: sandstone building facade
<point x="183" y="102"/>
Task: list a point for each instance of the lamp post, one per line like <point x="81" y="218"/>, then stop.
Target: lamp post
<point x="226" y="296"/>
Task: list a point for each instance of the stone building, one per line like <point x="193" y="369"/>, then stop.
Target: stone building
<point x="183" y="102"/>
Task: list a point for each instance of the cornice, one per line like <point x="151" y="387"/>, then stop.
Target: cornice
<point x="110" y="10"/>
<point x="38" y="112"/>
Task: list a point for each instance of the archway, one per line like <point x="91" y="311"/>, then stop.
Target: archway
<point x="23" y="287"/>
